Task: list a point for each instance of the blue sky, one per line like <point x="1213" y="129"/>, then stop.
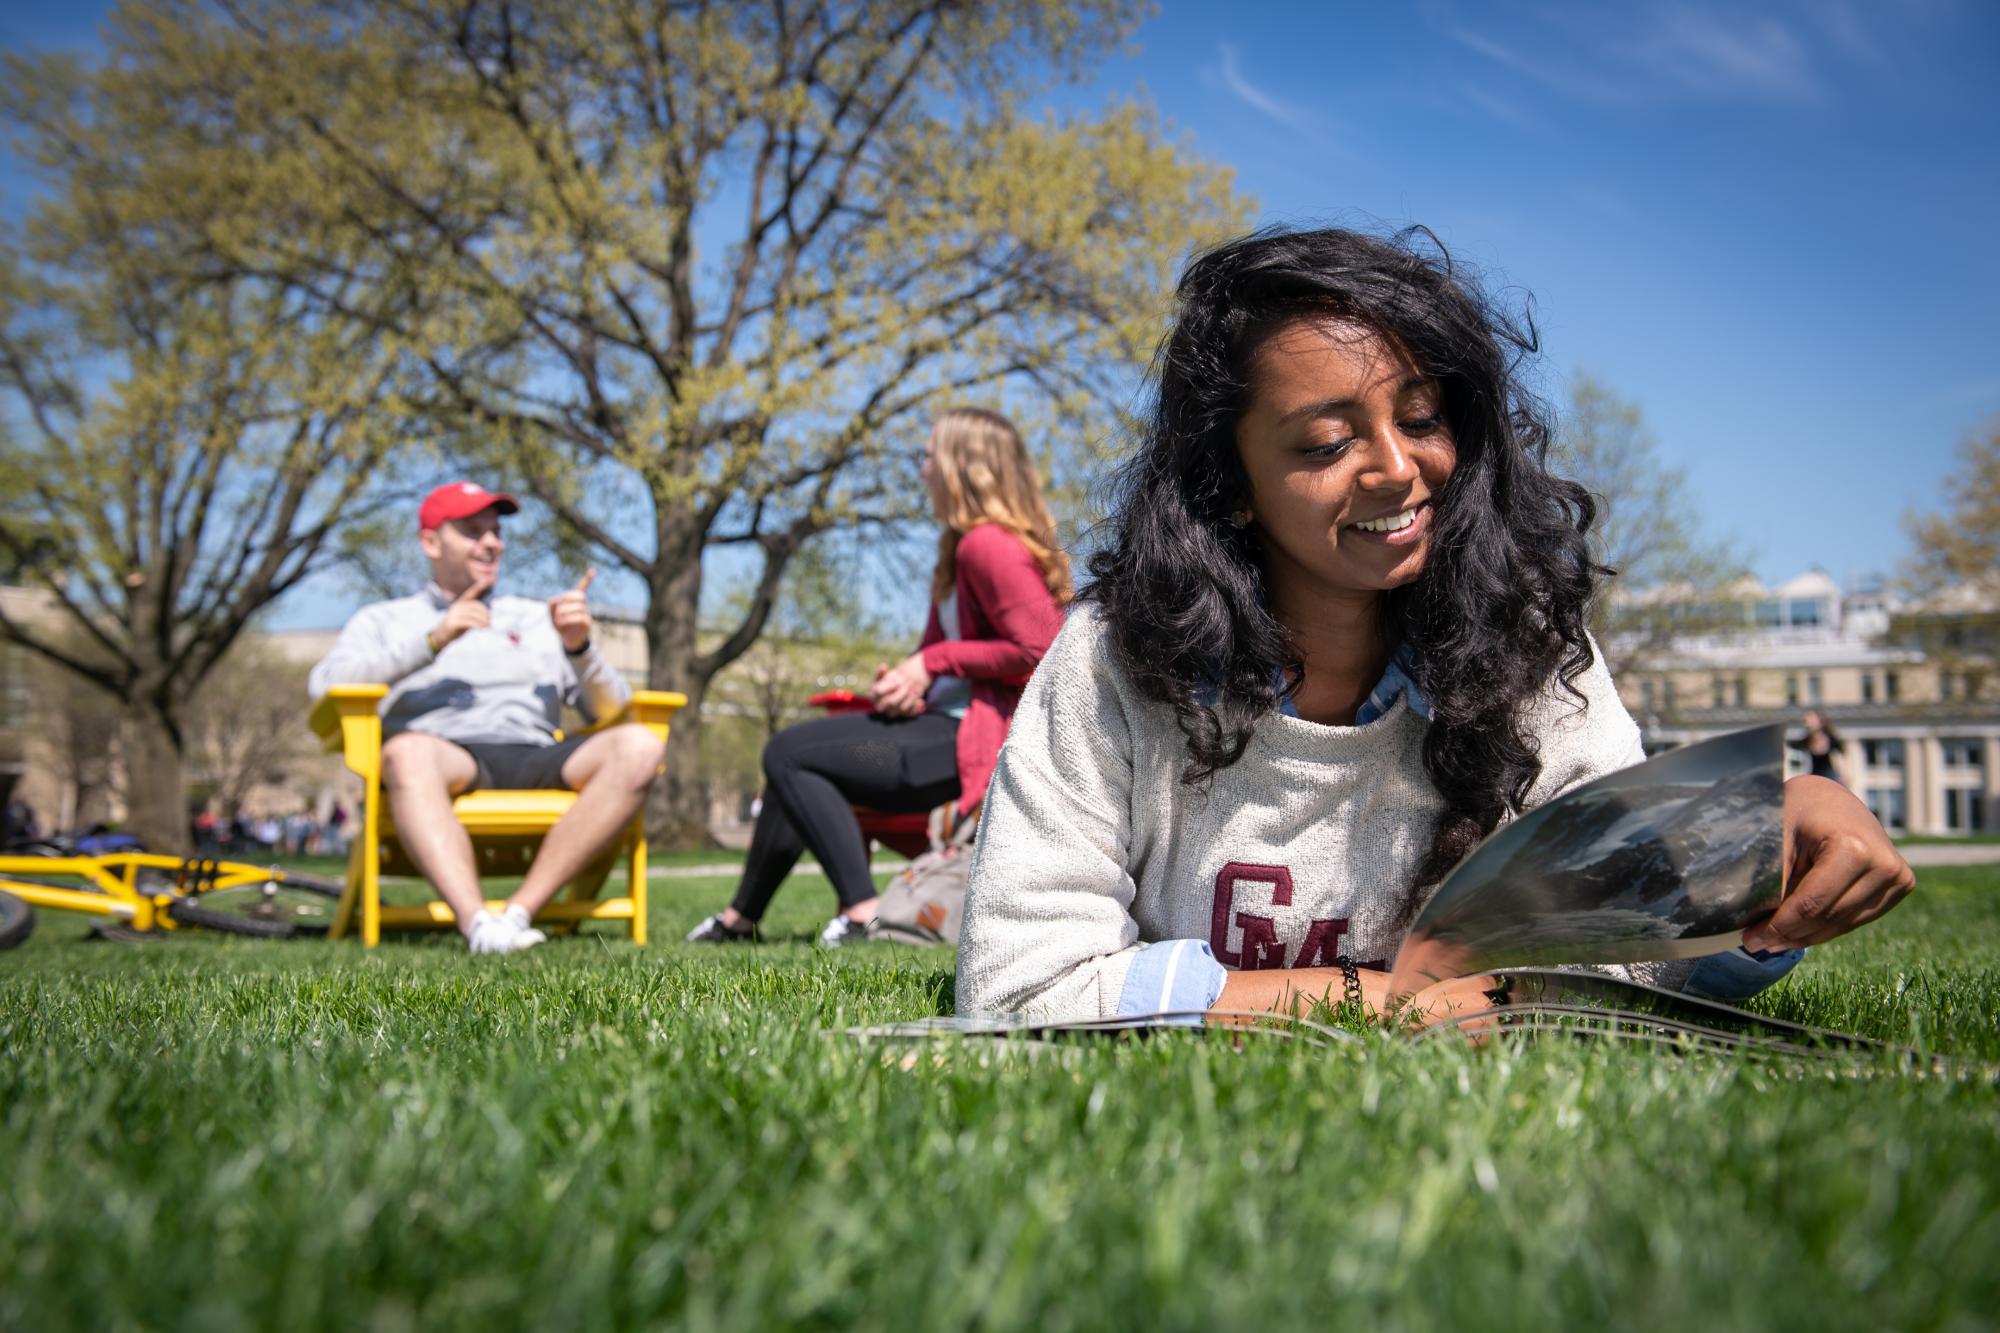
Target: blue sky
<point x="1768" y="224"/>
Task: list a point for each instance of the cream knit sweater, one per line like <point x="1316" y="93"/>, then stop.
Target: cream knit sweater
<point x="1090" y="846"/>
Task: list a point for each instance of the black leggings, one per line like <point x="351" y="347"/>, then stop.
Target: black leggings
<point x="816" y="770"/>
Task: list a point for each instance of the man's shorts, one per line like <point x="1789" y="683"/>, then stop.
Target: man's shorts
<point x="521" y="767"/>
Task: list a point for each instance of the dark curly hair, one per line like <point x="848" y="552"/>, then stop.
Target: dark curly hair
<point x="1501" y="605"/>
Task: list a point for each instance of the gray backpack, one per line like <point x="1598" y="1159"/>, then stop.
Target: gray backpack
<point x="925" y="903"/>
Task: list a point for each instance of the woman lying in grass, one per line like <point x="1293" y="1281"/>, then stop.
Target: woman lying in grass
<point x="1335" y="637"/>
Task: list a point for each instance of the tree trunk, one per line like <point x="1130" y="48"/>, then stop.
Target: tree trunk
<point x="155" y="780"/>
<point x="677" y="807"/>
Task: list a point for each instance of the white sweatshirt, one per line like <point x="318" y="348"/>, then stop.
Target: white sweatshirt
<point x="1090" y="847"/>
<point x="505" y="684"/>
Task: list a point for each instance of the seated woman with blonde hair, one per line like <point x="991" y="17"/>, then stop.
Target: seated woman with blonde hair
<point x="940" y="714"/>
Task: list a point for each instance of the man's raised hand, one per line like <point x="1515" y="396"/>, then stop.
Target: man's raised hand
<point x="467" y="611"/>
<point x="570" y="611"/>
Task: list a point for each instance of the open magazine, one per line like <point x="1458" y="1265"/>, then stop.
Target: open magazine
<point x="1671" y="858"/>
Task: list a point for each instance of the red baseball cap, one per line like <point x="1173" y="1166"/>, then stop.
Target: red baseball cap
<point x="461" y="499"/>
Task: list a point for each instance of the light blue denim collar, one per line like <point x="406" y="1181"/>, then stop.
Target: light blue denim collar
<point x="1395" y="684"/>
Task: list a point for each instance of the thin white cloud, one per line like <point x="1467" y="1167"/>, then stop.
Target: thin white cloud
<point x="1564" y="79"/>
<point x="1728" y="56"/>
<point x="1668" y="50"/>
<point x="1499" y="108"/>
<point x="1254" y="97"/>
<point x="1972" y="394"/>
<point x="1845" y="27"/>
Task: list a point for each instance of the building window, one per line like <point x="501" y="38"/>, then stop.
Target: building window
<point x="1891" y="686"/>
<point x="1792" y="690"/>
<point x="1812" y="689"/>
<point x="1770" y="615"/>
<point x="1667" y="693"/>
<point x="1964" y="810"/>
<point x="1868" y="687"/>
<point x="1742" y="691"/>
<point x="1646" y="695"/>
<point x="1882" y="754"/>
<point x="1944" y="686"/>
<point x="1963" y="752"/>
<point x="1889" y="807"/>
<point x="1975" y="682"/>
<point x="1715" y="692"/>
<point x="1805" y="611"/>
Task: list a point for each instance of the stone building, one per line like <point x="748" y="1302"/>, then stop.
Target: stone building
<point x="1911" y="690"/>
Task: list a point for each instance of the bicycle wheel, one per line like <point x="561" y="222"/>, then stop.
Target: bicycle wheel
<point x="17" y="921"/>
<point x="273" y="910"/>
<point x="328" y="888"/>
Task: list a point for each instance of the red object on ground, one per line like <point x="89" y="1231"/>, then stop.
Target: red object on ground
<point x="908" y="834"/>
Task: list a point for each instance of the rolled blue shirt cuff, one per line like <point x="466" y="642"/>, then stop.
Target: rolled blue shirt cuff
<point x="1172" y="976"/>
<point x="1739" y="974"/>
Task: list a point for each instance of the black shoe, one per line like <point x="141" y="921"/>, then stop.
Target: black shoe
<point x="842" y="930"/>
<point x="712" y="931"/>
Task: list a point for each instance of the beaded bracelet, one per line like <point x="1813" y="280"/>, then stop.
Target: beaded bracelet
<point x="1350" y="983"/>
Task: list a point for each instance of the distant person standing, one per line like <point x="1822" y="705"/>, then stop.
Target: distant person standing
<point x="1820" y="744"/>
<point x="20" y="823"/>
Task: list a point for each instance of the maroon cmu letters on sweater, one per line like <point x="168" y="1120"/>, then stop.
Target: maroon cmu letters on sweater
<point x="1006" y="620"/>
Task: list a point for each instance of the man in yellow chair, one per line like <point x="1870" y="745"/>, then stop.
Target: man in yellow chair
<point x="477" y="684"/>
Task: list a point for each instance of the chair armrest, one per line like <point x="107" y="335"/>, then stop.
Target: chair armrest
<point x="348" y="719"/>
<point x="652" y="709"/>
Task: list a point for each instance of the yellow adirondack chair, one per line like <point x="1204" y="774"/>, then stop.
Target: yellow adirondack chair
<point x="506" y="827"/>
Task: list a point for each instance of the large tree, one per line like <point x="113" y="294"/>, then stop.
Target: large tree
<point x="1958" y="547"/>
<point x="1952" y="577"/>
<point x="696" y="273"/>
<point x="1672" y="579"/>
<point x="178" y="442"/>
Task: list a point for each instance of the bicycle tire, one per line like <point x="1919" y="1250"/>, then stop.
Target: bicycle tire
<point x="326" y="888"/>
<point x="117" y="932"/>
<point x="188" y="913"/>
<point x="17" y="921"/>
<point x="277" y="910"/>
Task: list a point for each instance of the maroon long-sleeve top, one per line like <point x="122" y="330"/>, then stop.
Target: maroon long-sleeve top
<point x="1006" y="620"/>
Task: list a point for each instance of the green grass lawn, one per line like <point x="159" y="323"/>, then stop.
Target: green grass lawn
<point x="210" y="1134"/>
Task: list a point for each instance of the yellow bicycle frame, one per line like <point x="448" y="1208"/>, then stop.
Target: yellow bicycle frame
<point x="115" y="879"/>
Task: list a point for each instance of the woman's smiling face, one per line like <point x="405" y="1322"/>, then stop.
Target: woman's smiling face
<point x="1346" y="448"/>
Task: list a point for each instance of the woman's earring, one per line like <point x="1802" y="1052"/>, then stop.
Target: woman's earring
<point x="1240" y="519"/>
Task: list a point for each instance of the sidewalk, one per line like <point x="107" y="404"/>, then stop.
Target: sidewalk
<point x="1928" y="854"/>
<point x="1944" y="854"/>
<point x="805" y="867"/>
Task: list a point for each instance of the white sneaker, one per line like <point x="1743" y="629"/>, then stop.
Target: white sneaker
<point x="491" y="934"/>
<point x="525" y="934"/>
<point x="842" y="930"/>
